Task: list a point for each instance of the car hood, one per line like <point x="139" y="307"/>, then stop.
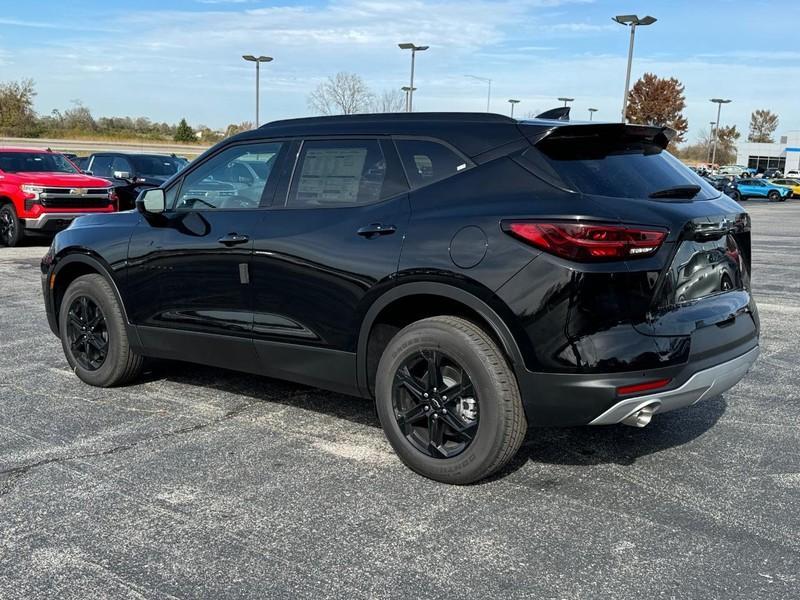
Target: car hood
<point x="116" y="219"/>
<point x="78" y="180"/>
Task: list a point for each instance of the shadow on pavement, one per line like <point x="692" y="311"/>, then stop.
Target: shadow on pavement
<point x="611" y="444"/>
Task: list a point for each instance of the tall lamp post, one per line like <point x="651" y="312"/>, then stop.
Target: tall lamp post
<point x="710" y="142"/>
<point x="489" y="94"/>
<point x="719" y="102"/>
<point x="258" y="60"/>
<point x="414" y="49"/>
<point x="565" y="100"/>
<point x="633" y="22"/>
<point x="591" y="113"/>
<point x="512" y="102"/>
<point x="406" y="91"/>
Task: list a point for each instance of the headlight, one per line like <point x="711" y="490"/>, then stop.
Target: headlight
<point x="32" y="191"/>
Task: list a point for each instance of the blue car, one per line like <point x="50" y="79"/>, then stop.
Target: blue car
<point x="760" y="188"/>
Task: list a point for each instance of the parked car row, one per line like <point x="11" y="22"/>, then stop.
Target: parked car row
<point x="745" y="188"/>
<point x="42" y="191"/>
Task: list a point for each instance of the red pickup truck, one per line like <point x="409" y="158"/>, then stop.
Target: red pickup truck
<point x="42" y="192"/>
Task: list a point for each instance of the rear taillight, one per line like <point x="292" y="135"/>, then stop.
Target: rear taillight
<point x="588" y="242"/>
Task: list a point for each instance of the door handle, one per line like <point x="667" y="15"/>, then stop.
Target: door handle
<point x="374" y="230"/>
<point x="233" y="239"/>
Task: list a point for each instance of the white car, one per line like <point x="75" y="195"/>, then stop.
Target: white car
<point x="793" y="174"/>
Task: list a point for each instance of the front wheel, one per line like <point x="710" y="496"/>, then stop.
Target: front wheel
<point x="11" y="230"/>
<point x="774" y="195"/>
<point x="93" y="334"/>
<point x="448" y="401"/>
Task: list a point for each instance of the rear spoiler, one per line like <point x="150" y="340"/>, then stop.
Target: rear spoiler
<point x="588" y="132"/>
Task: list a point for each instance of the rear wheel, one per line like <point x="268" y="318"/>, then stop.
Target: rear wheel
<point x="93" y="334"/>
<point x="11" y="230"/>
<point x="448" y="401"/>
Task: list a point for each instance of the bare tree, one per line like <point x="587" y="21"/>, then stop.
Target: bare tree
<point x="342" y="94"/>
<point x="763" y="124"/>
<point x="389" y="101"/>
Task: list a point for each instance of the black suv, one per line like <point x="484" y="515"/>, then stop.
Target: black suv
<point x="474" y="274"/>
<point x="131" y="173"/>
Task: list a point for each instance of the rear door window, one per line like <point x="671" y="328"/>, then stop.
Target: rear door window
<point x="427" y="161"/>
<point x="617" y="169"/>
<point x="336" y="173"/>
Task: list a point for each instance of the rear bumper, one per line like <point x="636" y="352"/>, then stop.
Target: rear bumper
<point x="703" y="384"/>
<point x="719" y="358"/>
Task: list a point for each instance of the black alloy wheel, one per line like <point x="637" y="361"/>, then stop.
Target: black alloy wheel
<point x="774" y="195"/>
<point x="9" y="227"/>
<point x="87" y="333"/>
<point x="435" y="404"/>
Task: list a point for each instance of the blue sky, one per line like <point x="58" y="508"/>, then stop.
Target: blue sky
<point x="181" y="58"/>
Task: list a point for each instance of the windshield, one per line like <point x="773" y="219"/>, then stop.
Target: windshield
<point x="156" y="166"/>
<point x="35" y="162"/>
<point x="620" y="170"/>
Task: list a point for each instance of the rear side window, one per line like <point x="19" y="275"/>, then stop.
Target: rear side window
<point x="620" y="170"/>
<point x="335" y="173"/>
<point x="426" y="161"/>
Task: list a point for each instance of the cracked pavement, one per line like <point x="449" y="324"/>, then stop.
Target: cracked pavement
<point x="204" y="483"/>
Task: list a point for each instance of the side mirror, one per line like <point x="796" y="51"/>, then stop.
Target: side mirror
<point x="122" y="175"/>
<point x="151" y="201"/>
<point x="86" y="172"/>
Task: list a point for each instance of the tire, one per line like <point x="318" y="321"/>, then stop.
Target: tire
<point x="774" y="195"/>
<point x="736" y="196"/>
<point x="119" y="364"/>
<point x="499" y="424"/>
<point x="12" y="232"/>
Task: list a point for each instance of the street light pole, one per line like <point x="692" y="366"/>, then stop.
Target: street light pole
<point x="258" y="60"/>
<point x="719" y="102"/>
<point x="406" y="91"/>
<point x="414" y="49"/>
<point x="591" y="113"/>
<point x="489" y="95"/>
<point x="632" y="21"/>
<point x="710" y="142"/>
<point x="565" y="100"/>
<point x="512" y="102"/>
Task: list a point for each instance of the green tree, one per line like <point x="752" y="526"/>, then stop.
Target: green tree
<point x="657" y="101"/>
<point x="17" y="117"/>
<point x="763" y="124"/>
<point x="184" y="133"/>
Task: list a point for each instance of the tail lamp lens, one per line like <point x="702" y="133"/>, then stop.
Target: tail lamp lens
<point x="589" y="242"/>
<point x="645" y="386"/>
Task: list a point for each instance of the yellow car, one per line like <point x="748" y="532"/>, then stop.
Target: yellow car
<point x="792" y="184"/>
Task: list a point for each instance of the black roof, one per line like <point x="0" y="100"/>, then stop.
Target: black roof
<point x="471" y="133"/>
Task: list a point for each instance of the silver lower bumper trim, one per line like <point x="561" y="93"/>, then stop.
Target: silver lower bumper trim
<point x="703" y="384"/>
<point x="41" y="221"/>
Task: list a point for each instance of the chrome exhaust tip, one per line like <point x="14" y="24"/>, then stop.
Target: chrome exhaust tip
<point x="641" y="417"/>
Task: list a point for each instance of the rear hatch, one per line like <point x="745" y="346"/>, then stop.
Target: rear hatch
<point x="701" y="274"/>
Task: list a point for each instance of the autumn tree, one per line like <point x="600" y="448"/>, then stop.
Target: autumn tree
<point x="17" y="116"/>
<point x="184" y="133"/>
<point x="657" y="101"/>
<point x="763" y="124"/>
<point x="342" y="94"/>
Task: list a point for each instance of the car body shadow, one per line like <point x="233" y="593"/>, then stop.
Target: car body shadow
<point x="574" y="446"/>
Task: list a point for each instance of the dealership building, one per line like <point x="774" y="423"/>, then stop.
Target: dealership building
<point x="783" y="155"/>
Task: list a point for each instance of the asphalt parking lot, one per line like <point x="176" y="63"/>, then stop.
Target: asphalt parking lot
<point x="203" y="483"/>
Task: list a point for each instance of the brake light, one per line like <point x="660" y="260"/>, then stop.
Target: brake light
<point x="589" y="242"/>
<point x="642" y="387"/>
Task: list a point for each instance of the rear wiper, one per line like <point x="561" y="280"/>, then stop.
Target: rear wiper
<point x="679" y="191"/>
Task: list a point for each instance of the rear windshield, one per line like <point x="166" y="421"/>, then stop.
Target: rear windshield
<point x="623" y="170"/>
<point x="156" y="166"/>
<point x="35" y="162"/>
